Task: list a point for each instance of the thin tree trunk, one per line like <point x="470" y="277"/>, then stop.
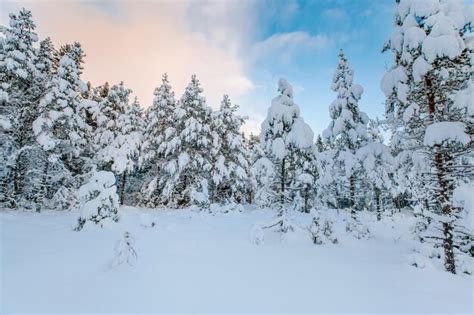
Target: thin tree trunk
<point x="306" y="199"/>
<point x="377" y="203"/>
<point x="282" y="187"/>
<point x="17" y="179"/>
<point x="449" y="260"/>
<point x="431" y="97"/>
<point x="42" y="187"/>
<point x="122" y="188"/>
<point x="439" y="160"/>
<point x="352" y="195"/>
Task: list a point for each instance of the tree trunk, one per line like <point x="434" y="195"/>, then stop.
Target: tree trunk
<point x="439" y="161"/>
<point x="443" y="199"/>
<point x="377" y="203"/>
<point x="282" y="187"/>
<point x="17" y="179"/>
<point x="449" y="261"/>
<point x="42" y="187"/>
<point x="352" y="195"/>
<point x="122" y="188"/>
<point x="306" y="200"/>
<point x="431" y="97"/>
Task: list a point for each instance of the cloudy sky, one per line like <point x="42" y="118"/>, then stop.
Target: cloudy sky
<point x="236" y="47"/>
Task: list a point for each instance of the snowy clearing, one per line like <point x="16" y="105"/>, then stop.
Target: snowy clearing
<point x="195" y="262"/>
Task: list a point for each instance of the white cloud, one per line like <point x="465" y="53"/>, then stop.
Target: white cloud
<point x="137" y="41"/>
<point x="287" y="44"/>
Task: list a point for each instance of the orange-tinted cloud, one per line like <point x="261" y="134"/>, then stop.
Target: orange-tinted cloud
<point x="137" y="41"/>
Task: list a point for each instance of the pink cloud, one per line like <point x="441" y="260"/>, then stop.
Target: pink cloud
<point x="139" y="41"/>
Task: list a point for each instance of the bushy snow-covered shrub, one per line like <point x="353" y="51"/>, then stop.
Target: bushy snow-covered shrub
<point x="357" y="229"/>
<point x="322" y="231"/>
<point x="98" y="200"/>
<point x="125" y="251"/>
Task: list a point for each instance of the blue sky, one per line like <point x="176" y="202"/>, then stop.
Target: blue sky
<point x="237" y="47"/>
<point x="358" y="27"/>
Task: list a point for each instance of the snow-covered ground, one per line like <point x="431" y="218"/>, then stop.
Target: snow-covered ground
<point x="195" y="262"/>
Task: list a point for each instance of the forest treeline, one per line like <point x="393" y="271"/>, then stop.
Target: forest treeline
<point x="66" y="144"/>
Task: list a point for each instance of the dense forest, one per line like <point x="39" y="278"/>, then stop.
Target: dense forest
<point x="65" y="144"/>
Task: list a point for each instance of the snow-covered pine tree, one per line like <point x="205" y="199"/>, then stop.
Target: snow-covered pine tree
<point x="347" y="132"/>
<point x="404" y="44"/>
<point x="160" y="125"/>
<point x="61" y="131"/>
<point x="75" y="52"/>
<point x="304" y="184"/>
<point x="45" y="57"/>
<point x="329" y="192"/>
<point x="21" y="88"/>
<point x="135" y="176"/>
<point x="118" y="137"/>
<point x="445" y="70"/>
<point x="40" y="168"/>
<point x="373" y="131"/>
<point x="439" y="68"/>
<point x="286" y="141"/>
<point x="320" y="144"/>
<point x="230" y="179"/>
<point x="131" y="126"/>
<point x="376" y="163"/>
<point x="98" y="200"/>
<point x="254" y="151"/>
<point x="188" y="151"/>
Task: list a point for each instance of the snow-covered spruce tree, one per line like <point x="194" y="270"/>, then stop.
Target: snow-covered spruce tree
<point x="75" y="52"/>
<point x="346" y="133"/>
<point x="230" y="180"/>
<point x="447" y="138"/>
<point x="160" y="124"/>
<point x="40" y="185"/>
<point x="136" y="175"/>
<point x="21" y="89"/>
<point x="61" y="131"/>
<point x="188" y="151"/>
<point x="98" y="200"/>
<point x="439" y="68"/>
<point x="404" y="43"/>
<point x="262" y="173"/>
<point x="118" y="137"/>
<point x="255" y="152"/>
<point x="263" y="181"/>
<point x="45" y="57"/>
<point x="376" y="163"/>
<point x="320" y="144"/>
<point x="326" y="183"/>
<point x="286" y="141"/>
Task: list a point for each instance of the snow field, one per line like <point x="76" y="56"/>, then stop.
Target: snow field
<point x="197" y="262"/>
